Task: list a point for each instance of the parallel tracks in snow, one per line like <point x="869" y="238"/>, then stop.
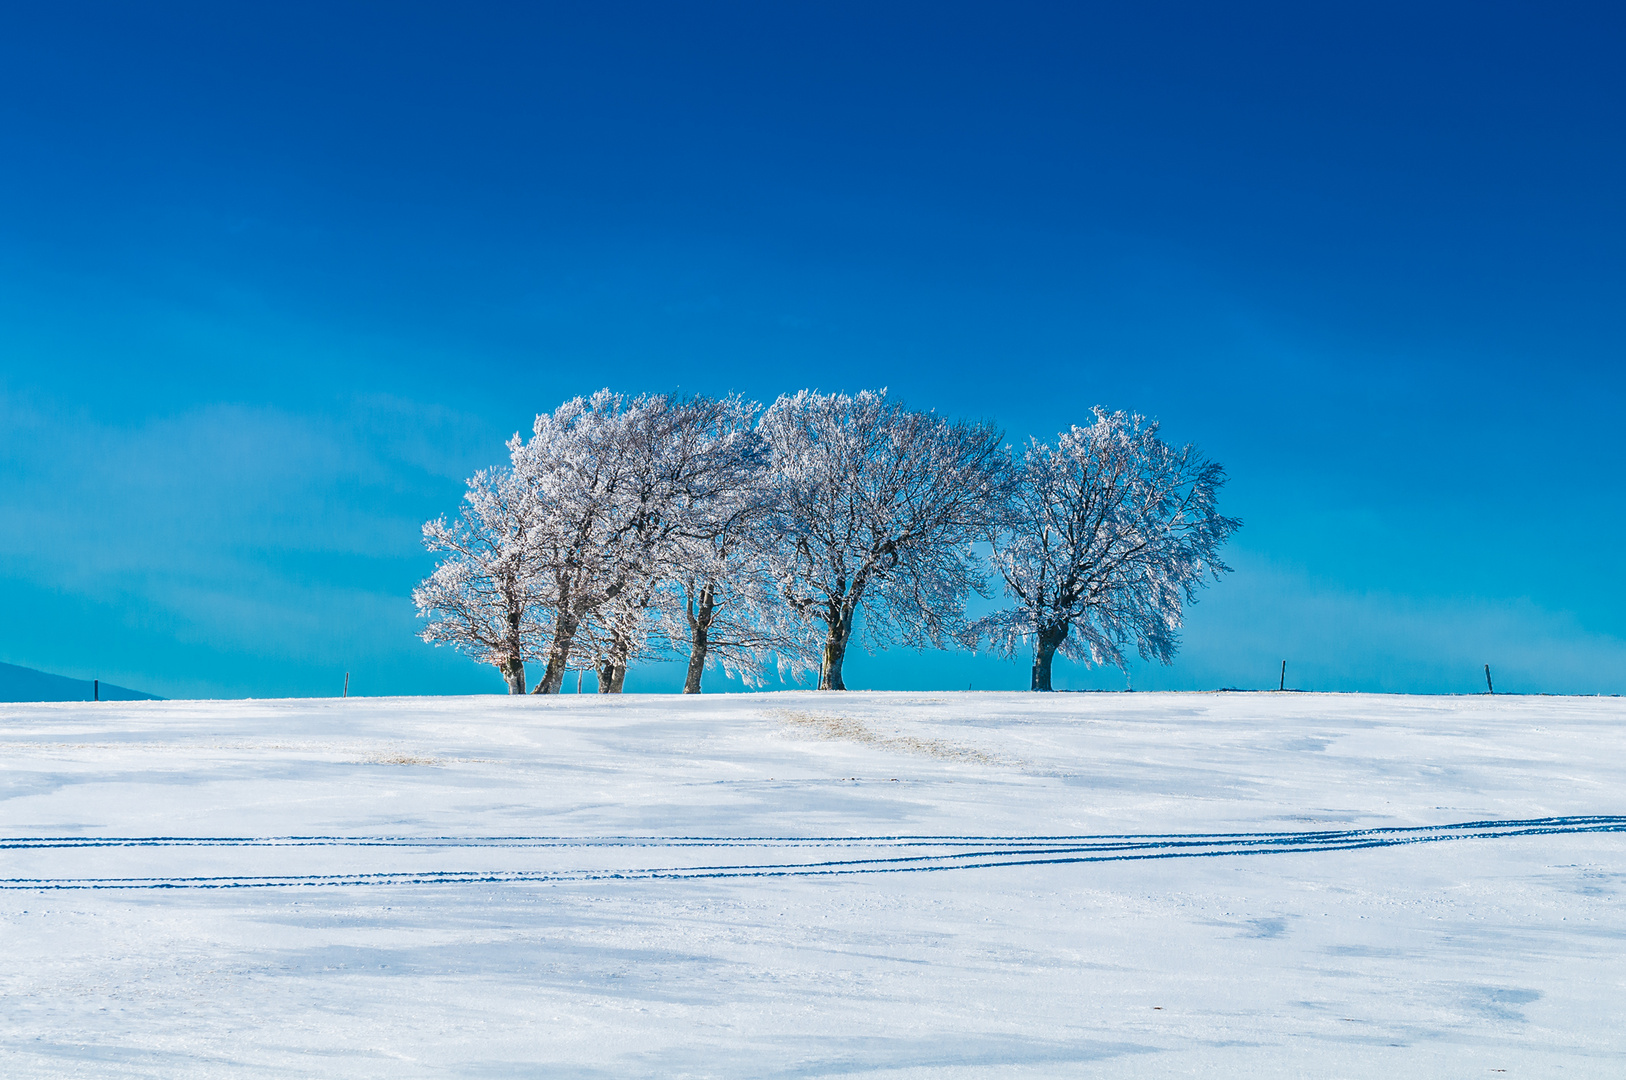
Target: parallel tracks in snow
<point x="772" y="855"/>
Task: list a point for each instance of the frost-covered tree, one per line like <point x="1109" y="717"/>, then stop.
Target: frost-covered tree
<point x="1105" y="537"/>
<point x="484" y="596"/>
<point x="724" y="605"/>
<point x="717" y="600"/>
<point x="628" y="525"/>
<point x="620" y="485"/>
<point x="618" y="633"/>
<point x="575" y="469"/>
<point x="876" y="507"/>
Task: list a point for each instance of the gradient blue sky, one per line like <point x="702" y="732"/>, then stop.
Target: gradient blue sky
<point x="275" y="278"/>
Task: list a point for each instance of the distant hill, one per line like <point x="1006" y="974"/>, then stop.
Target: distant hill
<point x="26" y="684"/>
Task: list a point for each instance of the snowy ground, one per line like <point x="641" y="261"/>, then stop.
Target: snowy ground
<point x="812" y="885"/>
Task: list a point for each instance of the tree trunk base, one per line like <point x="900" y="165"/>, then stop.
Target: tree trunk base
<point x="1044" y="655"/>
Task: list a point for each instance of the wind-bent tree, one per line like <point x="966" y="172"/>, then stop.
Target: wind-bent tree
<point x="575" y="469"/>
<point x="621" y="485"/>
<point x="724" y="605"/>
<point x="615" y="634"/>
<point x="876" y="508"/>
<point x="1104" y="538"/>
<point x="717" y="599"/>
<point x="483" y="598"/>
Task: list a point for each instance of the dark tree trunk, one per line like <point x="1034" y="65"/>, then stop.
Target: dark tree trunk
<point x="618" y="677"/>
<point x="1044" y="651"/>
<point x="513" y="665"/>
<point x="700" y="624"/>
<point x="513" y="673"/>
<point x="564" y="635"/>
<point x="835" y="649"/>
<point x="606" y="677"/>
<point x="697" y="661"/>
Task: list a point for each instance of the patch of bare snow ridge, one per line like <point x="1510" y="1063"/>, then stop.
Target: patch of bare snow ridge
<point x="828" y="725"/>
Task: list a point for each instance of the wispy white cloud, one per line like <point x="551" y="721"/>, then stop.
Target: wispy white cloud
<point x="241" y="528"/>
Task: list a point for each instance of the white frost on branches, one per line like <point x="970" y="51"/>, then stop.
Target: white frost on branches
<point x="876" y="507"/>
<point x="720" y="601"/>
<point x="1105" y="537"/>
<point x="486" y="597"/>
<point x="630" y="526"/>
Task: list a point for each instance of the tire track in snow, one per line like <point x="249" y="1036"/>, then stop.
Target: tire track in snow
<point x="1567" y="823"/>
<point x="951" y="853"/>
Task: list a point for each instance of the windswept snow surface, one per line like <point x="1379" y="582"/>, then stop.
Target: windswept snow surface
<point x="815" y="884"/>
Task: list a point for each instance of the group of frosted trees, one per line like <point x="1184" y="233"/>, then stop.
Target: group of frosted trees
<point x="750" y="539"/>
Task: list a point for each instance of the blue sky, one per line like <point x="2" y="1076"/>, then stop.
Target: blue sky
<point x="274" y="280"/>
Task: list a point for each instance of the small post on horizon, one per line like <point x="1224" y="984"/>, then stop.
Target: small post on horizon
<point x="1489" y="688"/>
<point x="346" y="685"/>
<point x="1283" y="684"/>
<point x="96" y="689"/>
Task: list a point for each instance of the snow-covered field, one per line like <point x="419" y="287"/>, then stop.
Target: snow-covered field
<point x="815" y="884"/>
